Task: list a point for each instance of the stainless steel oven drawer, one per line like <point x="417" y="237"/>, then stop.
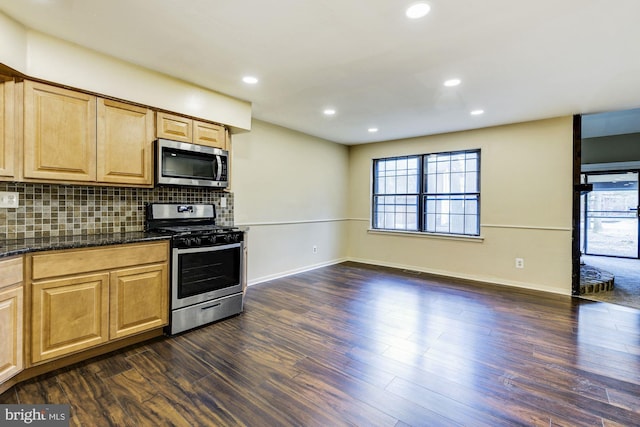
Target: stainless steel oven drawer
<point x="206" y="312"/>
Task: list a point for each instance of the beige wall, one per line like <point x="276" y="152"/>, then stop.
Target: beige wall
<point x="526" y="196"/>
<point x="43" y="57"/>
<point x="290" y="189"/>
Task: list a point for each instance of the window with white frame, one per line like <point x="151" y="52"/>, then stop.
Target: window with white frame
<point x="432" y="193"/>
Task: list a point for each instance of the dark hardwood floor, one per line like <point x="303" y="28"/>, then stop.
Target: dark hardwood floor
<point x="352" y="344"/>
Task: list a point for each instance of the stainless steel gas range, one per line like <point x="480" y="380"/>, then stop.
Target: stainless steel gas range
<point x="207" y="263"/>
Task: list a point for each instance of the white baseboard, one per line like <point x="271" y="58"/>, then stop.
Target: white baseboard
<point x="492" y="280"/>
<point x="295" y="271"/>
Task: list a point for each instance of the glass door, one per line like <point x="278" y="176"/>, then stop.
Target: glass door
<point x="610" y="215"/>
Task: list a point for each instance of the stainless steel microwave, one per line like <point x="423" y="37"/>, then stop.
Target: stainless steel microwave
<point x="182" y="163"/>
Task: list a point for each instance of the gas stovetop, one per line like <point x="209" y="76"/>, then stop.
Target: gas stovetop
<point x="195" y="229"/>
<point x="190" y="225"/>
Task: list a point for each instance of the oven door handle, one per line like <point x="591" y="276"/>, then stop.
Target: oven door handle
<point x="208" y="248"/>
<point x="210" y="306"/>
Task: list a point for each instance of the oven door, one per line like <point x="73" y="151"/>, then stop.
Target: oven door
<point x="205" y="273"/>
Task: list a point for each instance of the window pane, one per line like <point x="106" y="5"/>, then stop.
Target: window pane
<point x="471" y="205"/>
<point x="443" y="166"/>
<point x="412" y="184"/>
<point x="457" y="224"/>
<point x="443" y="184"/>
<point x="431" y="183"/>
<point x="471" y="183"/>
<point x="471" y="164"/>
<point x="431" y="164"/>
<point x="413" y="164"/>
<point x="457" y="182"/>
<point x="471" y="225"/>
<point x="457" y="205"/>
<point x="401" y="184"/>
<point x="457" y="163"/>
<point x="431" y="205"/>
<point x="430" y="223"/>
<point x="390" y="186"/>
<point x="442" y="223"/>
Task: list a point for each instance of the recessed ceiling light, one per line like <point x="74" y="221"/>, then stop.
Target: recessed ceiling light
<point x="417" y="10"/>
<point x="452" y="82"/>
<point x="477" y="112"/>
<point x="329" y="112"/>
<point x="250" y="80"/>
<point x="372" y="130"/>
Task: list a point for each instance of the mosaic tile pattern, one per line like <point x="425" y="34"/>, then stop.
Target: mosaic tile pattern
<point x="48" y="210"/>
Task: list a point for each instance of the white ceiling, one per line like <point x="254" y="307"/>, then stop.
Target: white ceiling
<point x="517" y="60"/>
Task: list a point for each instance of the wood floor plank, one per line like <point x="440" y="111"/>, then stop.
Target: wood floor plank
<point x="176" y="388"/>
<point x="92" y="403"/>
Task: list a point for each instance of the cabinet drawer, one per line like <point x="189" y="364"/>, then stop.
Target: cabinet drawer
<point x="76" y="261"/>
<point x="11" y="272"/>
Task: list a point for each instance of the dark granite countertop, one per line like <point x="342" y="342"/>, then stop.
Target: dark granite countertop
<point x="22" y="246"/>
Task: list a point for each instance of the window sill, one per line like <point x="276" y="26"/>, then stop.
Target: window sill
<point x="458" y="237"/>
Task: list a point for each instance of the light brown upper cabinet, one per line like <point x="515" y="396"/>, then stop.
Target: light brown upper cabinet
<point x="125" y="143"/>
<point x="59" y="133"/>
<point x="71" y="136"/>
<point x="178" y="128"/>
<point x="209" y="134"/>
<point x="7" y="117"/>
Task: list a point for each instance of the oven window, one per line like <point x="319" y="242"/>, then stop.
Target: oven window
<point x="201" y="272"/>
<point x="180" y="164"/>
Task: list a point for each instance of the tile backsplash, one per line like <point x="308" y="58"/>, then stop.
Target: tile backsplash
<point x="58" y="210"/>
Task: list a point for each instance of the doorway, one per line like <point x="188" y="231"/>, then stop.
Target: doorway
<point x="606" y="220"/>
<point x="609" y="214"/>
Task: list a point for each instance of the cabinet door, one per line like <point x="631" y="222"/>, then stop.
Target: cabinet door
<point x="7" y="141"/>
<point x="11" y="327"/>
<point x="139" y="300"/>
<point x="175" y="127"/>
<point x="59" y="133"/>
<point x="209" y="134"/>
<point x="125" y="143"/>
<point x="69" y="315"/>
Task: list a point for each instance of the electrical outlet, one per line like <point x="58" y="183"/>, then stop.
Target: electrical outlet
<point x="519" y="262"/>
<point x="9" y="199"/>
<point x="223" y="202"/>
<point x="315" y="249"/>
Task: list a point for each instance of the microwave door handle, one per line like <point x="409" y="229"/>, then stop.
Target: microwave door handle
<point x="219" y="162"/>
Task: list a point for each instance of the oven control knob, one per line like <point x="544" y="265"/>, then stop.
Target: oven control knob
<point x="195" y="241"/>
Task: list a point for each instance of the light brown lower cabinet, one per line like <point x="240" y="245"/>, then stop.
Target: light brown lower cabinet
<point x="11" y="315"/>
<point x="138" y="300"/>
<point x="76" y="312"/>
<point x="69" y="315"/>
